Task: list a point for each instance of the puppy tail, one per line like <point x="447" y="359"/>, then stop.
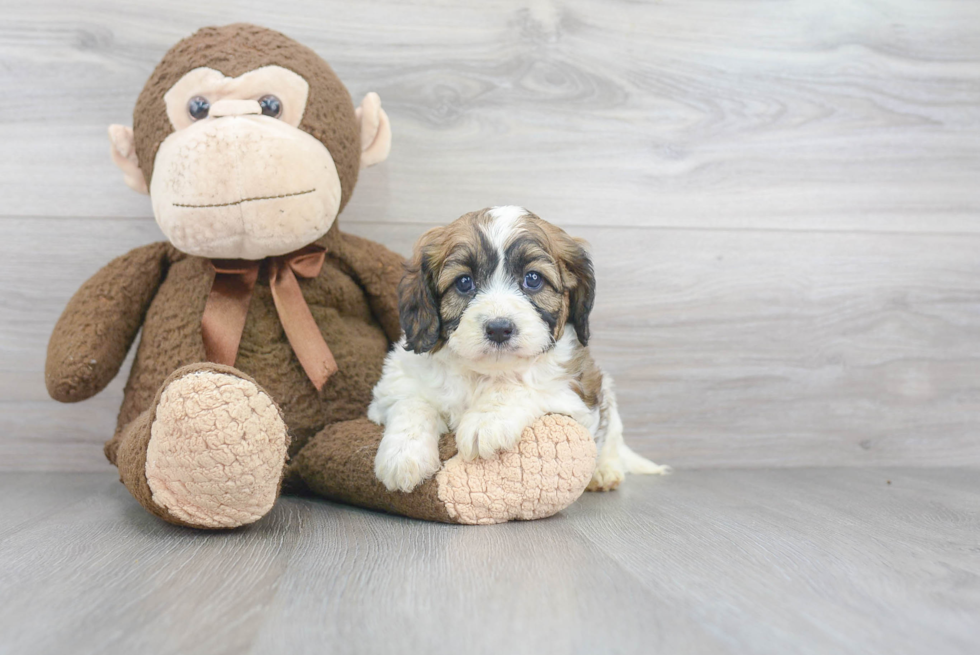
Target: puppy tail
<point x="630" y="461"/>
<point x="634" y="463"/>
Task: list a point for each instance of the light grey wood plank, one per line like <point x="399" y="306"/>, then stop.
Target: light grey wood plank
<point x="871" y="553"/>
<point x="688" y="114"/>
<point x="516" y="589"/>
<point x="729" y="348"/>
<point x="750" y="562"/>
<point x="29" y="499"/>
<point x="131" y="583"/>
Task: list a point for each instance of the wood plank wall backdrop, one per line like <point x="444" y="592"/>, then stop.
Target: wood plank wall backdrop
<point x="782" y="198"/>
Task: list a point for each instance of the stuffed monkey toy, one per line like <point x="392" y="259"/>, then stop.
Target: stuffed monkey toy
<point x="264" y="327"/>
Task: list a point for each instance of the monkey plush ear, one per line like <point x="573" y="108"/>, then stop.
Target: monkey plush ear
<point x="123" y="151"/>
<point x="375" y="131"/>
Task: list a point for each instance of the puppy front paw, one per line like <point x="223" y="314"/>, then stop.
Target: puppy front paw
<point x="404" y="461"/>
<point x="484" y="434"/>
<point x="607" y="476"/>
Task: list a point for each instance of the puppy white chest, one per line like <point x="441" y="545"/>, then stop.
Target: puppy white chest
<point x="528" y="393"/>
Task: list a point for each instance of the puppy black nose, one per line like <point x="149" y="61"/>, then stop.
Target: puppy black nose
<point x="499" y="330"/>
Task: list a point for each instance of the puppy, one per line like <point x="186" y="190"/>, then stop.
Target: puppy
<point x="495" y="308"/>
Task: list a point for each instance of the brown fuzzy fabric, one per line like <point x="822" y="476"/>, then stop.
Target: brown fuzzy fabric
<point x="89" y="350"/>
<point x="338" y="463"/>
<point x="353" y="301"/>
<point x="236" y="49"/>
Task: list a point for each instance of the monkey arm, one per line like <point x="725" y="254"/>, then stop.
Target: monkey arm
<point x="97" y="328"/>
<point x="378" y="271"/>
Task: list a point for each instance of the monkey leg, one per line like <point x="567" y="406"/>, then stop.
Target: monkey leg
<point x="209" y="453"/>
<point x="547" y="472"/>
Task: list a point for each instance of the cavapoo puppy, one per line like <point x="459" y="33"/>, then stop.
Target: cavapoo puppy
<point x="495" y="308"/>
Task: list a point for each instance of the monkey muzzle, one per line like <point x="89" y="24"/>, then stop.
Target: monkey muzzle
<point x="243" y="186"/>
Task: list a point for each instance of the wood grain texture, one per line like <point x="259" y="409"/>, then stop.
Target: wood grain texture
<point x="729" y="348"/>
<point x="853" y="115"/>
<point x="745" y="562"/>
<point x="781" y="197"/>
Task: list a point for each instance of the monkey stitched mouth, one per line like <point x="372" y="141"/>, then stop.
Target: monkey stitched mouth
<point x="238" y="202"/>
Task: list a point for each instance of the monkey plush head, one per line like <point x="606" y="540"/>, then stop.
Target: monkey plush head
<point x="248" y="143"/>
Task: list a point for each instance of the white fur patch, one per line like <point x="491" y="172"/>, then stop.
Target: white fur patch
<point x="502" y="229"/>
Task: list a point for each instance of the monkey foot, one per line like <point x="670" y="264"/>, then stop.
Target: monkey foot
<point x="548" y="471"/>
<point x="216" y="451"/>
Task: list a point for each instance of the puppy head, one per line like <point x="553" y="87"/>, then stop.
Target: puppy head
<point x="495" y="284"/>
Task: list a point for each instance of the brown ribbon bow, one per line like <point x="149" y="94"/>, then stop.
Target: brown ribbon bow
<point x="231" y="292"/>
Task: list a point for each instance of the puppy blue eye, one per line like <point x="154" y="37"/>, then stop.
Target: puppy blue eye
<point x="464" y="284"/>
<point x="198" y="107"/>
<point x="533" y="281"/>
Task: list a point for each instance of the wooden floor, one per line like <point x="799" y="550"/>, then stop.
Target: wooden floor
<point x="735" y="561"/>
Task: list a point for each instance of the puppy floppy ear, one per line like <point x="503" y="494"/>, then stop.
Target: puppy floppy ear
<point x="418" y="301"/>
<point x="579" y="280"/>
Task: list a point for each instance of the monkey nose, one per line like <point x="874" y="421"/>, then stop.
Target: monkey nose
<point x="230" y="107"/>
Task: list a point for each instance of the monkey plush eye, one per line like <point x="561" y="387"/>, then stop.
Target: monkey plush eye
<point x="270" y="106"/>
<point x="533" y="281"/>
<point x="464" y="284"/>
<point x="198" y="107"/>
